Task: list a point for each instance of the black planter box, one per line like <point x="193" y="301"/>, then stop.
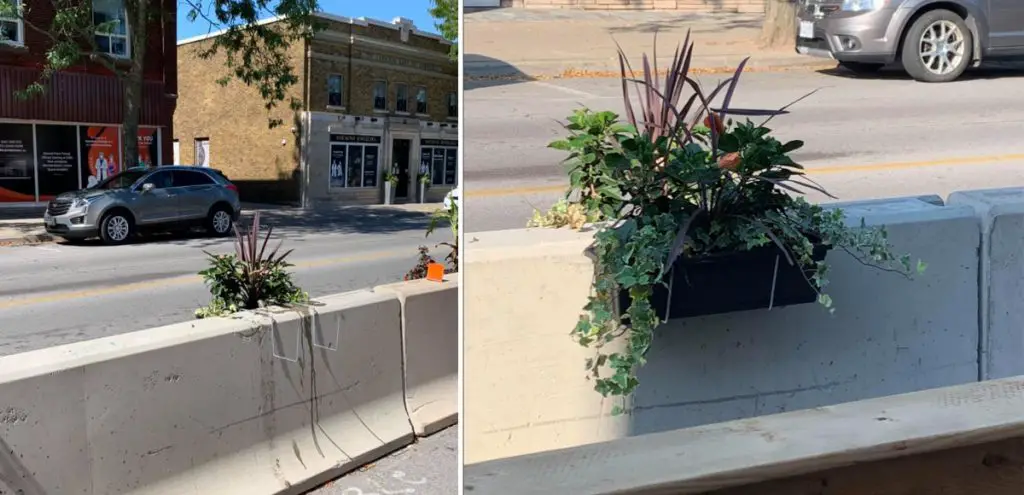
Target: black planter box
<point x="728" y="282"/>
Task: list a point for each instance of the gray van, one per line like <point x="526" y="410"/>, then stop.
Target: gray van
<point x="934" y="40"/>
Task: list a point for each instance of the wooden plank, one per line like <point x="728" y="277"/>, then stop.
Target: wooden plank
<point x="738" y="453"/>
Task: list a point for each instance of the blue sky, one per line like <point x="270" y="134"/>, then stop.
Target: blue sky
<point x="384" y="10"/>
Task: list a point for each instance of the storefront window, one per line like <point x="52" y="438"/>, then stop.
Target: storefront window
<point x="17" y="166"/>
<point x="57" y="152"/>
<point x="440" y="157"/>
<point x="111" y="23"/>
<point x="354" y="161"/>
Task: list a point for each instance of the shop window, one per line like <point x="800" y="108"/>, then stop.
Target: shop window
<point x="402" y="98"/>
<point x="380" y="95"/>
<point x="334" y="85"/>
<point x="12" y="28"/>
<point x="354" y="161"/>
<point x="421" y="100"/>
<point x="453" y="105"/>
<point x="111" y="23"/>
<point x="442" y="162"/>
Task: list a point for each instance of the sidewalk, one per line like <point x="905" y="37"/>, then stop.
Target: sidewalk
<point x="523" y="43"/>
<point x="25" y="225"/>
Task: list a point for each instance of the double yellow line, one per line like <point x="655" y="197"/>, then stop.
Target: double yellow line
<point x="185" y="279"/>
<point x="876" y="167"/>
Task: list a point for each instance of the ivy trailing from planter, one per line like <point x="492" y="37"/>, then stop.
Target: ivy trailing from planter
<point x="683" y="182"/>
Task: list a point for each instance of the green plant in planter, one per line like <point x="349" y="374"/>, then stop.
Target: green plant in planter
<point x="450" y="215"/>
<point x="251" y="277"/>
<point x="425" y="179"/>
<point x="682" y="180"/>
<point x="391" y="176"/>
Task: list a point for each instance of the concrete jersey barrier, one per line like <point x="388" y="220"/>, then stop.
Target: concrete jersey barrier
<point x="526" y="391"/>
<point x="963" y="439"/>
<point x="260" y="404"/>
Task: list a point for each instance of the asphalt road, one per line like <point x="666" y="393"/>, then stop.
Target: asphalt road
<point x="427" y="467"/>
<point x="865" y="137"/>
<point x="57" y="294"/>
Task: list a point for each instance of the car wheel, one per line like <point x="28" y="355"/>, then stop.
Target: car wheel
<point x="861" y="67"/>
<point x="219" y="222"/>
<point x="938" y="47"/>
<point x="116" y="228"/>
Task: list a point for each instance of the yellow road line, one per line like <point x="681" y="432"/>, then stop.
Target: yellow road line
<point x="182" y="280"/>
<point x="875" y="167"/>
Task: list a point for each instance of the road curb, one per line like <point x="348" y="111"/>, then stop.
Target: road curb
<point x="603" y="70"/>
<point x="27" y="240"/>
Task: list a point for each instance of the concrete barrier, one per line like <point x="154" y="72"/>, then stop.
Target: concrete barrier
<point x="967" y="439"/>
<point x="260" y="404"/>
<point x="430" y="339"/>
<point x="1001" y="285"/>
<point x="524" y="384"/>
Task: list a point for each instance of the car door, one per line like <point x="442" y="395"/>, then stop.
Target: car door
<point x="159" y="204"/>
<point x="196" y="193"/>
<point x="1006" y="24"/>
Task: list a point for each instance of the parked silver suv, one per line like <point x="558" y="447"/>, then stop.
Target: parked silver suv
<point x="934" y="40"/>
<point x="165" y="198"/>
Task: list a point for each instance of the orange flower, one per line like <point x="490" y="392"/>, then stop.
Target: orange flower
<point x="730" y="161"/>
<point x="719" y="124"/>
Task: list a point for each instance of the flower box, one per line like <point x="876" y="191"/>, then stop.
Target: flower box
<point x="727" y="282"/>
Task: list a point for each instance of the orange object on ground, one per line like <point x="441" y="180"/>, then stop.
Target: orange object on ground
<point x="435" y="272"/>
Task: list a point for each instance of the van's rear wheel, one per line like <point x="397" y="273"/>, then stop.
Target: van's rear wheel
<point x="938" y="47"/>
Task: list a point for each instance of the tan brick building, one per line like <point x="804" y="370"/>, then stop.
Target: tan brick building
<point x="746" y="6"/>
<point x="376" y="96"/>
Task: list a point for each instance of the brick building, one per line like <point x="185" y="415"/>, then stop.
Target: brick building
<point x="375" y="96"/>
<point x="72" y="135"/>
<point x="746" y="6"/>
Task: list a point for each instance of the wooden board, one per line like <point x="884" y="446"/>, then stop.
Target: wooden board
<point x="738" y="453"/>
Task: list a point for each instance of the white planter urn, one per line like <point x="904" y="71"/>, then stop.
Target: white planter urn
<point x="423" y="193"/>
<point x="387" y="192"/>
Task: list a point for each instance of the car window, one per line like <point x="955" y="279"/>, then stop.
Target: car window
<point x="185" y="178"/>
<point x="160" y="180"/>
<point x="123" y="180"/>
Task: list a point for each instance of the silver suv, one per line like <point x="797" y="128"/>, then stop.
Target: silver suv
<point x="165" y="198"/>
<point x="935" y="41"/>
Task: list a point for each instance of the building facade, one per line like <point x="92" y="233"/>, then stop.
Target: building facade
<point x="71" y="135"/>
<point x="745" y="6"/>
<point x="377" y="98"/>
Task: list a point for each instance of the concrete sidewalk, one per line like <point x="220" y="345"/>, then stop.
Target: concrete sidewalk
<point x="24" y="225"/>
<point x="522" y="43"/>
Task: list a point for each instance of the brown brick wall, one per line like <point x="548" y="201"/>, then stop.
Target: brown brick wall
<point x="235" y="120"/>
<point x="749" y="6"/>
<point x="361" y="65"/>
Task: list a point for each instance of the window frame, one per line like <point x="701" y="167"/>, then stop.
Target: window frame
<point x="453" y="103"/>
<point x="362" y="165"/>
<point x="384" y="109"/>
<point x="398" y="99"/>
<point x="110" y="36"/>
<point x="426" y="98"/>
<point x="341" y="90"/>
<point x="21" y="28"/>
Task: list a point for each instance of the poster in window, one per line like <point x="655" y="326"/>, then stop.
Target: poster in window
<point x="149" y="147"/>
<point x="426" y="157"/>
<point x="451" y="162"/>
<point x="370" y="167"/>
<point x="101" y="157"/>
<point x="17" y="164"/>
<point x="338" y="165"/>
<point x="354" y="172"/>
<point x="57" y="159"/>
<point x="438" y="168"/>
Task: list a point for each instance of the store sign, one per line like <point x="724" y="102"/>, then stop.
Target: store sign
<point x="101" y="153"/>
<point x="57" y="158"/>
<point x="17" y="165"/>
<point x="451" y="162"/>
<point x="149" y="147"/>
<point x="370" y="166"/>
<point x="354" y="138"/>
<point x="439" y="142"/>
<point x="380" y="58"/>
